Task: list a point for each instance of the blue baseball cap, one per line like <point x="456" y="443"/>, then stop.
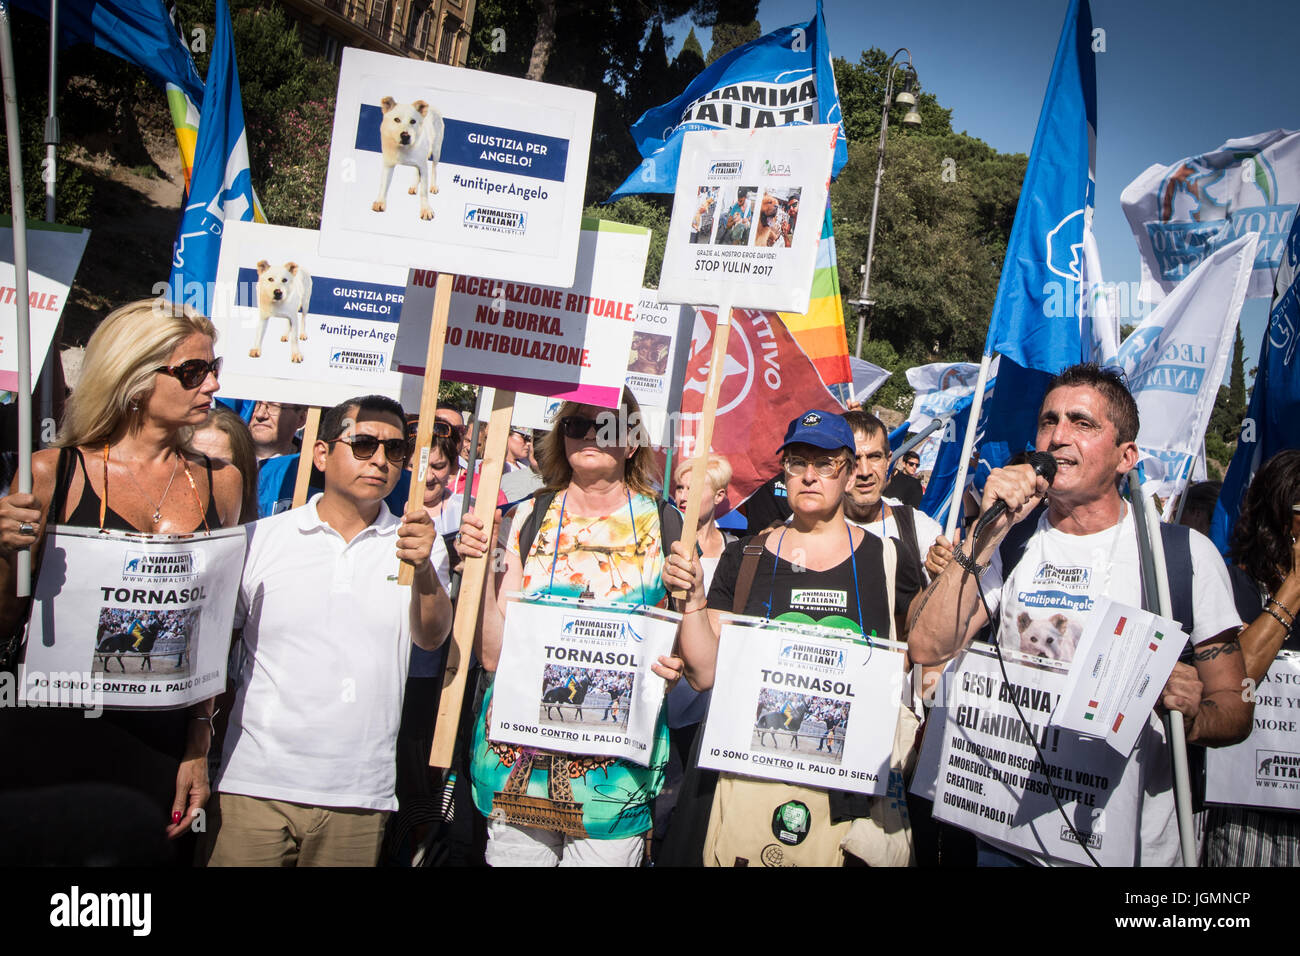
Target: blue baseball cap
<point x="820" y="429"/>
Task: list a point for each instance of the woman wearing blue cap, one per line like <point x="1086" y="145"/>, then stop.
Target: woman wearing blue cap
<point x="818" y="568"/>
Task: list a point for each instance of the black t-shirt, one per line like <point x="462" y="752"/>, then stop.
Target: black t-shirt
<point x="768" y="505"/>
<point x="905" y="488"/>
<point x="825" y="597"/>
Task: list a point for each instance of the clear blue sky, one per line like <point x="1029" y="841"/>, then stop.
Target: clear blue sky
<point x="1178" y="78"/>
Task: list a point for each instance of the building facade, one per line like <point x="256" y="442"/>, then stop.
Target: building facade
<point x="435" y="30"/>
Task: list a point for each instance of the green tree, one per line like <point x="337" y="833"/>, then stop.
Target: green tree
<point x="647" y="210"/>
<point x="947" y="202"/>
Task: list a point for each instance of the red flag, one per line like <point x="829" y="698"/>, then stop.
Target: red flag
<point x="768" y="381"/>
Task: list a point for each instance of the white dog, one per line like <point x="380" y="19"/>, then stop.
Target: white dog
<point x="285" y="292"/>
<point x="411" y="135"/>
<point x="1054" y="638"/>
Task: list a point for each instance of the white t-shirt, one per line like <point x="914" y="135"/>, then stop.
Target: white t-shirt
<point x="927" y="529"/>
<point x="327" y="630"/>
<point x="1042" y="609"/>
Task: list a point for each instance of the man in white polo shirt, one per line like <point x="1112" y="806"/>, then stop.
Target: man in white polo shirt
<point x="308" y="767"/>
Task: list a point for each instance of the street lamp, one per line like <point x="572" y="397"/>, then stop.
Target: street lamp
<point x="912" y="118"/>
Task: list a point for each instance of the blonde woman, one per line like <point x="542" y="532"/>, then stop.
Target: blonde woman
<point x="122" y="461"/>
<point x="601" y="535"/>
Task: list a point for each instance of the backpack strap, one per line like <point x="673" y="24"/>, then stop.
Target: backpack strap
<point x="752" y="552"/>
<point x="908" y="550"/>
<point x="1177" y="540"/>
<point x="1014" y="544"/>
<point x="528" y="531"/>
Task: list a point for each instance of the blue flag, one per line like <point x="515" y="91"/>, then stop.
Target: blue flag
<point x="222" y="186"/>
<point x="1272" y="421"/>
<point x="1035" y="315"/>
<point x="783" y="78"/>
<point x="138" y="31"/>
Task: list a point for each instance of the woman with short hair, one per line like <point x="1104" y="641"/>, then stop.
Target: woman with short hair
<point x="123" y="461"/>
<point x="819" y="551"/>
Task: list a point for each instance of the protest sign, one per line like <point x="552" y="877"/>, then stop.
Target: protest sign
<point x="299" y="327"/>
<point x="660" y="345"/>
<point x="1264" y="769"/>
<point x="535" y="411"/>
<point x="131" y="621"/>
<point x="1123" y="659"/>
<point x="804" y="685"/>
<point x="53" y="254"/>
<point x="568" y="343"/>
<point x="979" y="765"/>
<point x="1183" y="212"/>
<point x="756" y="255"/>
<point x="496" y="168"/>
<point x="576" y="677"/>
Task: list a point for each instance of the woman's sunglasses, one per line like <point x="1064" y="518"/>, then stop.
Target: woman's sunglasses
<point x="577" y="426"/>
<point x="191" y="374"/>
<point x="364" y="447"/>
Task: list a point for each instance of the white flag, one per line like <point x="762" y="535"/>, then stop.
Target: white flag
<point x="867" y="379"/>
<point x="1098" y="317"/>
<point x="1181" y="213"/>
<point x="1175" y="359"/>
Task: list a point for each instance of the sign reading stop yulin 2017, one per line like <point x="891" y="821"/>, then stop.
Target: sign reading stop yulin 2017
<point x="747" y="217"/>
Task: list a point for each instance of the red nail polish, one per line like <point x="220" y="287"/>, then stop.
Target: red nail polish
<point x="176" y="816"/>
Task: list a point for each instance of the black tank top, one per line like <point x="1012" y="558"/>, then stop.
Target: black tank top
<point x="86" y="514"/>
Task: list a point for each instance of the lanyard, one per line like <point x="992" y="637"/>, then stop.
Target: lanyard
<point x="853" y="564"/>
<point x="636" y="545"/>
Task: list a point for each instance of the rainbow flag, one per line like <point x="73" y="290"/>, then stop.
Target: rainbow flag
<point x="821" y="333"/>
<point x="185" y="119"/>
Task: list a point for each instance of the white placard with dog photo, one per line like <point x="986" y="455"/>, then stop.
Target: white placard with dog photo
<point x="299" y="327"/>
<point x="575" y="678"/>
<point x="457" y="170"/>
<point x="131" y="621"/>
<point x="736" y="233"/>
<point x="804" y="704"/>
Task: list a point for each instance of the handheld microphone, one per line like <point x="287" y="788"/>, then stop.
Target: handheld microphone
<point x="1044" y="464"/>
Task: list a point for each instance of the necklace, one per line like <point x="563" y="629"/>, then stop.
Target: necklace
<point x="157" y="509"/>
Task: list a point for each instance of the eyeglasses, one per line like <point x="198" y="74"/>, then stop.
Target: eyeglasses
<point x="443" y="429"/>
<point x="192" y="374"/>
<point x="273" y="408"/>
<point x="364" y="447"/>
<point x="825" y="466"/>
<point x="524" y="435"/>
<point x="577" y="426"/>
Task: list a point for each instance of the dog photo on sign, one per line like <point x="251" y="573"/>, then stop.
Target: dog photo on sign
<point x="410" y="134"/>
<point x="284" y="292"/>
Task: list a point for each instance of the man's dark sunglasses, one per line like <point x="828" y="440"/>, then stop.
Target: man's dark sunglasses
<point x="577" y="426"/>
<point x="445" y="429"/>
<point x="364" y="447"/>
<point x="192" y="373"/>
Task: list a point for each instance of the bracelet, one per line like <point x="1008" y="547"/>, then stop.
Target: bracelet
<point x="1277" y="617"/>
<point x="967" y="562"/>
<point x="1283" y="608"/>
<point x="693" y="610"/>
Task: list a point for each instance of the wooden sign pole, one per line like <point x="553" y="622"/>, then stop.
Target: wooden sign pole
<point x="704" y="434"/>
<point x="428" y="405"/>
<point x="309" y="432"/>
<point x="473" y="578"/>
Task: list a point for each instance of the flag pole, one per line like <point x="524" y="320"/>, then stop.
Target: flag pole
<point x="22" y="558"/>
<point x="1152" y="548"/>
<point x="976" y="404"/>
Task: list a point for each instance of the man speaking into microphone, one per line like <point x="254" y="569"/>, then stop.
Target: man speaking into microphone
<point x="1042" y="565"/>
